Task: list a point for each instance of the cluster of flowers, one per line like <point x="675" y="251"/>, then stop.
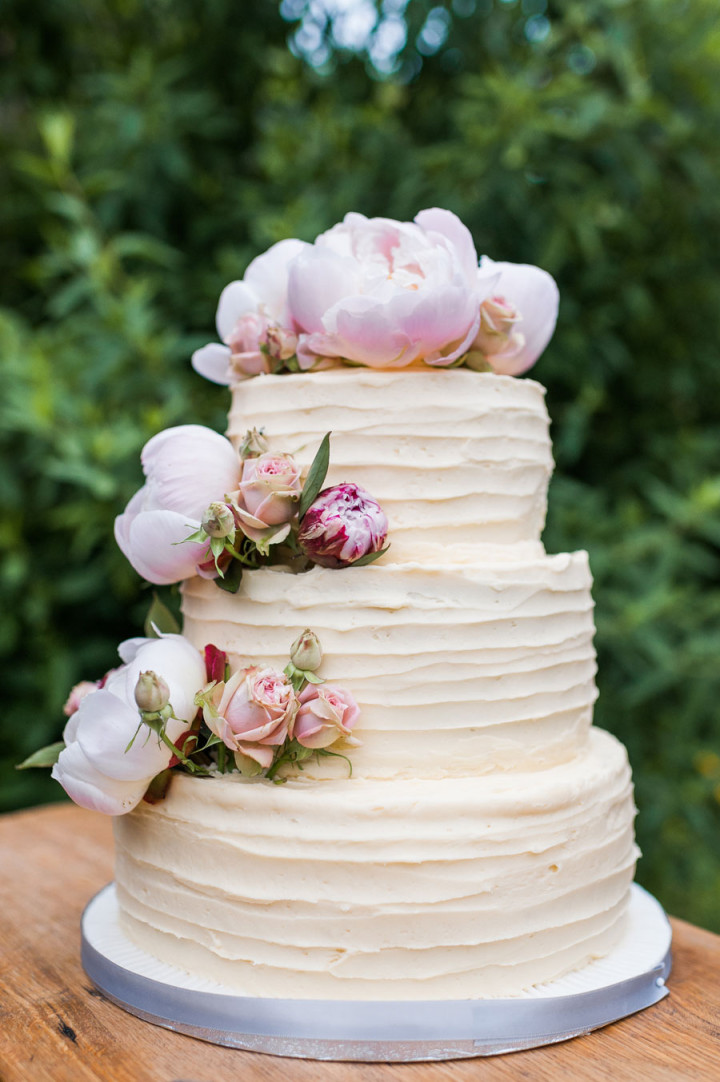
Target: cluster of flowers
<point x="205" y="510"/>
<point x="385" y="294"/>
<point x="169" y="708"/>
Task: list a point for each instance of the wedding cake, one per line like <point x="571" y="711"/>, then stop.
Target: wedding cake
<point x="450" y="825"/>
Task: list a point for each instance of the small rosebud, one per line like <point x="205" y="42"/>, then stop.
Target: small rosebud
<point x="151" y="692"/>
<point x="497" y="334"/>
<point x="218" y="521"/>
<point x="253" y="444"/>
<point x="305" y="652"/>
<point x="77" y="694"/>
<point x="281" y="343"/>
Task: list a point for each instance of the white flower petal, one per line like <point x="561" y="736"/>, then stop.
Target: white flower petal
<point x="318" y="279"/>
<point x="535" y="295"/>
<point x="267" y="276"/>
<point x="448" y="225"/>
<point x="213" y="362"/>
<point x="187" y="468"/>
<point x="91" y="789"/>
<point x="236" y="300"/>
<point x="154" y="543"/>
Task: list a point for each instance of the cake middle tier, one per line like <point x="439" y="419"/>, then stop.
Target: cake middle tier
<point x="457" y="671"/>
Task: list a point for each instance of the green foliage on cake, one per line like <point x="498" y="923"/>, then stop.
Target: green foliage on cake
<point x="152" y="149"/>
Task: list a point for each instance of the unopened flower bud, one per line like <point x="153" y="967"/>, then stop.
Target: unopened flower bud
<point x="253" y="444"/>
<point x="305" y="652"/>
<point x="218" y="521"/>
<point x="151" y="692"/>
<point x="497" y="334"/>
<point x="343" y="524"/>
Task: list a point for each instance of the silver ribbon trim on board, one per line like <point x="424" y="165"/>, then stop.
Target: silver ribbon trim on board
<point x="371" y="1030"/>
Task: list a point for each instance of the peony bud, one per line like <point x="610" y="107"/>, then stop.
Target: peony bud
<point x="343" y="524"/>
<point x="305" y="652"/>
<point x="219" y="521"/>
<point x="151" y="692"/>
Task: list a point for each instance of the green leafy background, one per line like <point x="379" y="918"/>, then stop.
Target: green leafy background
<point x="150" y="148"/>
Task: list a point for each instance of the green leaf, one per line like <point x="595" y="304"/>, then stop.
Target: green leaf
<point x="160" y="620"/>
<point x="46" y="756"/>
<point x="233" y="576"/>
<point x="316" y="475"/>
<point x="369" y="558"/>
<point x="158" y="787"/>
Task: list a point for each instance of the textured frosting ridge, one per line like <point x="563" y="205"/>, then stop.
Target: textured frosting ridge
<point x="484" y="842"/>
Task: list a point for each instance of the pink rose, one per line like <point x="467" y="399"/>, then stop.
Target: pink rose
<point x="270" y="487"/>
<point x="385" y="294"/>
<point x="252" y="712"/>
<point x="497" y="332"/>
<point x="244" y="341"/>
<point x="343" y="524"/>
<point x="326" y="714"/>
<point x="526" y="296"/>
<point x="77" y="694"/>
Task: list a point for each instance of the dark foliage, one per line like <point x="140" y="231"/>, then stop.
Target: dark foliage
<point x="150" y="148"/>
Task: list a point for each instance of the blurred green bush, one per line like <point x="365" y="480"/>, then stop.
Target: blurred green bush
<point x="150" y="148"/>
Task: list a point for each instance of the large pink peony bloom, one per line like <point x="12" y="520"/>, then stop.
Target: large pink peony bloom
<point x="341" y="525"/>
<point x="95" y="768"/>
<point x="385" y="294"/>
<point x="252" y="712"/>
<point x="252" y="313"/>
<point x="187" y="468"/>
<point x="326" y="714"/>
<point x="517" y="322"/>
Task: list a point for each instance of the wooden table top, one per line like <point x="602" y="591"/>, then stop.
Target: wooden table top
<point x="55" y="1027"/>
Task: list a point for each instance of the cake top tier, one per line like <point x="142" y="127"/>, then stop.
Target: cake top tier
<point x="381" y="294"/>
<point x="456" y="458"/>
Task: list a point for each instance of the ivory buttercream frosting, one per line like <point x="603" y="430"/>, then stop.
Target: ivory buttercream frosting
<point x="484" y="842"/>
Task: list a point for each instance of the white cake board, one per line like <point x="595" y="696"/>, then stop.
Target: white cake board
<point x="629" y="979"/>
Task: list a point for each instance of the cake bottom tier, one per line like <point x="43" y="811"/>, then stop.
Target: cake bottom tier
<point x="365" y="889"/>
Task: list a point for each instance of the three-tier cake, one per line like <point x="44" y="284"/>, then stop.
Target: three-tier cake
<point x="416" y="805"/>
<point x="484" y="842"/>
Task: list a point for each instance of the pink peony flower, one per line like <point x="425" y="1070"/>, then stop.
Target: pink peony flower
<point x="343" y="524"/>
<point x="252" y="712"/>
<point x="187" y="468"/>
<point x="250" y="313"/>
<point x="518" y="321"/>
<point x="326" y="714"/>
<point x="385" y="294"/>
<point x="96" y="768"/>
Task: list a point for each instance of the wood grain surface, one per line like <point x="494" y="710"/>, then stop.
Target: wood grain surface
<point x="55" y="1027"/>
